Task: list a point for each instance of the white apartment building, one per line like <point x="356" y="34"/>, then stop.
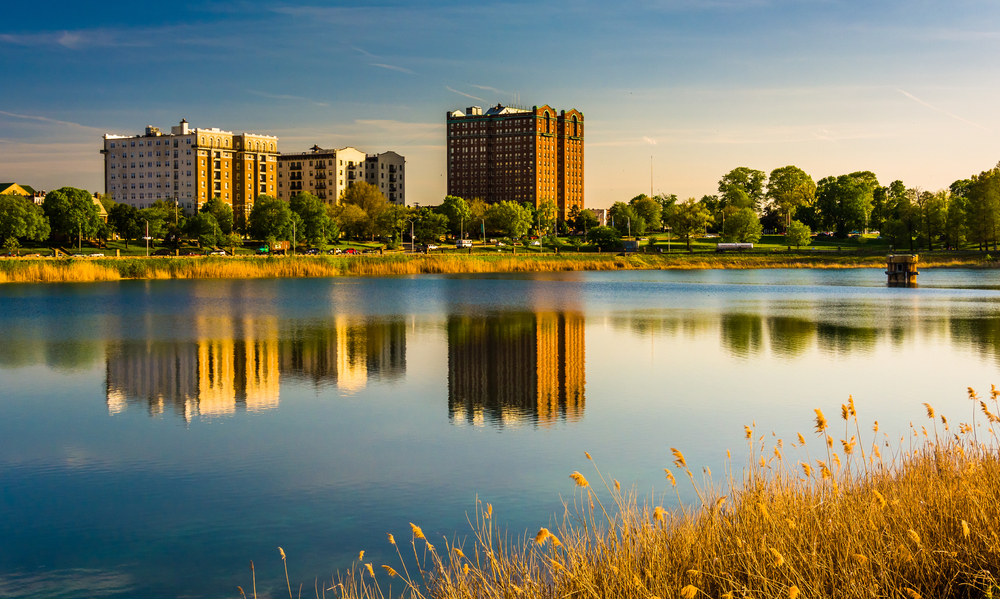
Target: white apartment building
<point x="328" y="173"/>
<point x="190" y="166"/>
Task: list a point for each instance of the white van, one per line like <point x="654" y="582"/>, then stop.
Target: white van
<point x="463" y="243"/>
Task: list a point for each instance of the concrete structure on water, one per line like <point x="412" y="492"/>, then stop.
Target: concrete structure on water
<point x="902" y="270"/>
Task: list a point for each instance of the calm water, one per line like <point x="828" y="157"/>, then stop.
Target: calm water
<point x="156" y="436"/>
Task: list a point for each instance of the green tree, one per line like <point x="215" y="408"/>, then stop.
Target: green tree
<point x="743" y="187"/>
<point x="222" y="212"/>
<point x="983" y="212"/>
<point x="313" y="214"/>
<point x="545" y="217"/>
<point x="72" y="212"/>
<point x="651" y="211"/>
<point x="205" y="229"/>
<point x="626" y="219"/>
<point x="606" y="238"/>
<point x="797" y="234"/>
<point x="954" y="221"/>
<point x="743" y="226"/>
<point x="933" y="209"/>
<point x="351" y="219"/>
<point x="689" y="219"/>
<point x="430" y="226"/>
<point x="458" y="213"/>
<point x="394" y="220"/>
<point x="510" y="218"/>
<point x="585" y="220"/>
<point x="789" y="187"/>
<point x="156" y="217"/>
<point x="231" y="241"/>
<point x="21" y="218"/>
<point x="367" y="197"/>
<point x="125" y="220"/>
<point x="271" y="217"/>
<point x="667" y="204"/>
<point x="844" y="203"/>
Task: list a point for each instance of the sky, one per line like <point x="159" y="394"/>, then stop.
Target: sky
<point x="675" y="93"/>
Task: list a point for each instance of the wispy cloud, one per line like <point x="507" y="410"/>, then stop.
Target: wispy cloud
<point x="72" y="40"/>
<point x="464" y="94"/>
<point x="392" y="68"/>
<point x="45" y="119"/>
<point x="932" y="107"/>
<point x="285" y="97"/>
<point x="649" y="140"/>
<point x="490" y="89"/>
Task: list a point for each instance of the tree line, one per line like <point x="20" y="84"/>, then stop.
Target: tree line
<point x="747" y="202"/>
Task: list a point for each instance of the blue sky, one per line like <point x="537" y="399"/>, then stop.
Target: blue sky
<point x="905" y="89"/>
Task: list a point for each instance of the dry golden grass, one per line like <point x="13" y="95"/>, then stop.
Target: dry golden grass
<point x="885" y="518"/>
<point x="56" y="272"/>
<point x="45" y="270"/>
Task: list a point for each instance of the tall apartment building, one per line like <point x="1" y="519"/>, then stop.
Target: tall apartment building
<point x="190" y="166"/>
<point x="517" y="154"/>
<point x="328" y="173"/>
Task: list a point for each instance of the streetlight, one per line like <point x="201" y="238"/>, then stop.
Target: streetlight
<point x="411" y="234"/>
<point x="146" y="237"/>
<point x="293" y="236"/>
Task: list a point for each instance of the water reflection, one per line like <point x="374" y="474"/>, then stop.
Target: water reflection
<point x="515" y="368"/>
<point x="237" y="364"/>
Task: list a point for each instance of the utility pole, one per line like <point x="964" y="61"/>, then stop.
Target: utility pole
<point x="293" y="237"/>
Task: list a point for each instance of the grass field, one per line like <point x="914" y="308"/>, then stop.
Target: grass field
<point x="851" y="515"/>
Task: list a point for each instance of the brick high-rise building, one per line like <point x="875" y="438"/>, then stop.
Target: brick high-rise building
<point x="517" y="154"/>
<point x="190" y="166"/>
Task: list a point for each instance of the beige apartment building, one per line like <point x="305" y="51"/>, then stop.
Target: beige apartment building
<point x="328" y="173"/>
<point x="190" y="166"/>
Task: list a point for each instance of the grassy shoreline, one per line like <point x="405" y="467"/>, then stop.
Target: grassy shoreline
<point x="79" y="270"/>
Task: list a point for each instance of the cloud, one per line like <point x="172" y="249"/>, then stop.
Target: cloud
<point x="44" y="119"/>
<point x="490" y="89"/>
<point x="463" y="94"/>
<point x="392" y="68"/>
<point x="650" y="141"/>
<point x="932" y="107"/>
<point x="71" y="40"/>
<point x="285" y="97"/>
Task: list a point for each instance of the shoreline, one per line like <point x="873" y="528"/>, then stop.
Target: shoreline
<point x="81" y="270"/>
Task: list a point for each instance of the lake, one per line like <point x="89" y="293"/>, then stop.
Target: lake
<point x="156" y="436"/>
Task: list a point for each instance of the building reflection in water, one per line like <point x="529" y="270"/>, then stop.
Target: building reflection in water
<point x="238" y="364"/>
<point x="516" y="368"/>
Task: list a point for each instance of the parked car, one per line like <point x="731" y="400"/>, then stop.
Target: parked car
<point x="334" y="251"/>
<point x="312" y="251"/>
<point x="536" y="242"/>
<point x="217" y="253"/>
<point x="192" y="254"/>
<point x="351" y="251"/>
<point x="163" y="252"/>
<point x="96" y="255"/>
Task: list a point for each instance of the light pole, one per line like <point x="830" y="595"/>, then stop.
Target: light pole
<point x="293" y="237"/>
<point x="411" y="235"/>
<point x="484" y="231"/>
<point x="146" y="237"/>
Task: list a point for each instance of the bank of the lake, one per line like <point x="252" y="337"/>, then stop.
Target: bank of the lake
<point x="79" y="270"/>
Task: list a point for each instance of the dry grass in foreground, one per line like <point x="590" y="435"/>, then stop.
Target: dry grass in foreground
<point x="837" y="517"/>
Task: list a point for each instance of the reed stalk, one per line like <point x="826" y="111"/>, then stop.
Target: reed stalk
<point x="900" y="522"/>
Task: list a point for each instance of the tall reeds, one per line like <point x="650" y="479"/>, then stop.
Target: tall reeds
<point x="915" y="517"/>
<point x="44" y="270"/>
